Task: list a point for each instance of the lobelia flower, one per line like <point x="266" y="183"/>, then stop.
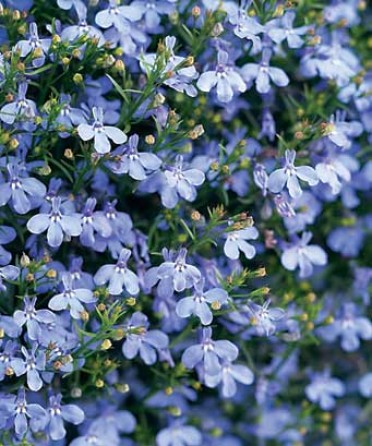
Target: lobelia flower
<point x="347" y="240"/>
<point x="306" y="208"/>
<point x="68" y="4"/>
<point x="349" y="327"/>
<point x="101" y="133"/>
<point x="151" y="10"/>
<point x="176" y="73"/>
<point x="8" y="272"/>
<point x="365" y="385"/>
<point x="178" y="275"/>
<point x="183" y="181"/>
<point x="283" y="206"/>
<point x="74" y="32"/>
<point x="140" y="340"/>
<point x="237" y="241"/>
<point x="340" y="131"/>
<point x="59" y="413"/>
<point x="244" y="26"/>
<point x="69" y="116"/>
<point x="262" y="73"/>
<point x="118" y="16"/>
<point x="179" y="435"/>
<point x="33" y="364"/>
<point x="287" y="32"/>
<point x="118" y="276"/>
<point x="128" y="160"/>
<point x="197" y="304"/>
<point x="93" y="222"/>
<point x="7" y="355"/>
<point x="209" y="353"/>
<point x="230" y="373"/>
<point x="227" y="79"/>
<point x="301" y="254"/>
<point x="263" y="318"/>
<point x="19" y="189"/>
<point x="323" y="389"/>
<point x="268" y="127"/>
<point x="261" y="178"/>
<point x="34" y="319"/>
<point x="289" y="176"/>
<point x="71" y="298"/>
<point x="56" y="223"/>
<point x="34" y="45"/>
<point x="18" y="411"/>
<point x="20" y="109"/>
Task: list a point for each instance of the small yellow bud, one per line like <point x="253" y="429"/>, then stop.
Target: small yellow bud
<point x="76" y="392"/>
<point x="99" y="383"/>
<point x="106" y="344"/>
<point x="150" y="139"/>
<point x="30" y="277"/>
<point x="38" y="52"/>
<point x="65" y="60"/>
<point x="122" y="388"/>
<point x="131" y="301"/>
<point x="76" y="53"/>
<point x="175" y="411"/>
<point x="196" y="11"/>
<point x="2" y="333"/>
<point x="196" y="216"/>
<point x="215" y="305"/>
<point x="168" y="391"/>
<point x="56" y="39"/>
<point x="196" y="132"/>
<point x="84" y="316"/>
<point x="329" y="320"/>
<point x="13" y="143"/>
<point x="69" y="154"/>
<point x="25" y="260"/>
<point x="51" y="274"/>
<point x="78" y="78"/>
<point x="9" y="371"/>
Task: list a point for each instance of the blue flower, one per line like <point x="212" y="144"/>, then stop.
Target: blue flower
<point x="93" y="222"/>
<point x="262" y="73"/>
<point x="101" y="133"/>
<point x="59" y="413"/>
<point x="18" y="411"/>
<point x="365" y="385"/>
<point x="237" y="241"/>
<point x="244" y="26"/>
<point x="8" y="272"/>
<point x="33" y="318"/>
<point x="179" y="435"/>
<point x="20" y="190"/>
<point x="69" y="116"/>
<point x="263" y="318"/>
<point x="229" y="374"/>
<point x="301" y="254"/>
<point x="197" y="304"/>
<point x="209" y="353"/>
<point x="25" y="47"/>
<point x="128" y="160"/>
<point x="56" y="223"/>
<point x="182" y="180"/>
<point x="141" y="340"/>
<point x="347" y="240"/>
<point x="178" y="275"/>
<point x="287" y="32"/>
<point x="151" y="10"/>
<point x="289" y="176"/>
<point x="21" y="109"/>
<point x="323" y="389"/>
<point x="349" y="327"/>
<point x="71" y="298"/>
<point x="118" y="16"/>
<point x="224" y="77"/>
<point x="33" y="364"/>
<point x="118" y="276"/>
<point x="7" y="355"/>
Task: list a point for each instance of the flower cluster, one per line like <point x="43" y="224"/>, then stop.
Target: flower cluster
<point x="185" y="222"/>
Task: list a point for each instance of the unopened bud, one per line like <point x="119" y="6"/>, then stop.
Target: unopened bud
<point x="99" y="383"/>
<point x="78" y="78"/>
<point x="76" y="392"/>
<point x="106" y="344"/>
<point x="13" y="143"/>
<point x="196" y="132"/>
<point x="196" y="11"/>
<point x="84" y="316"/>
<point x="195" y="216"/>
<point x="217" y="30"/>
<point x="38" y="52"/>
<point x="68" y="153"/>
<point x="150" y="139"/>
<point x="25" y="260"/>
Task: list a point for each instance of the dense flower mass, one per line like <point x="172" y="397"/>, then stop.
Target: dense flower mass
<point x="185" y="223"/>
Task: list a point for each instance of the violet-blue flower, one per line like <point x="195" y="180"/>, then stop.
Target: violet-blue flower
<point x="227" y="79"/>
<point x="101" y="133"/>
<point x="25" y="47"/>
<point x="286" y="31"/>
<point x="197" y="304"/>
<point x="32" y="365"/>
<point x="118" y="276"/>
<point x="56" y="223"/>
<point x="289" y="176"/>
<point x="302" y="255"/>
<point x="140" y="340"/>
<point x="236" y="241"/>
<point x="58" y="413"/>
<point x="229" y="374"/>
<point x="71" y="298"/>
<point x="323" y="390"/>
